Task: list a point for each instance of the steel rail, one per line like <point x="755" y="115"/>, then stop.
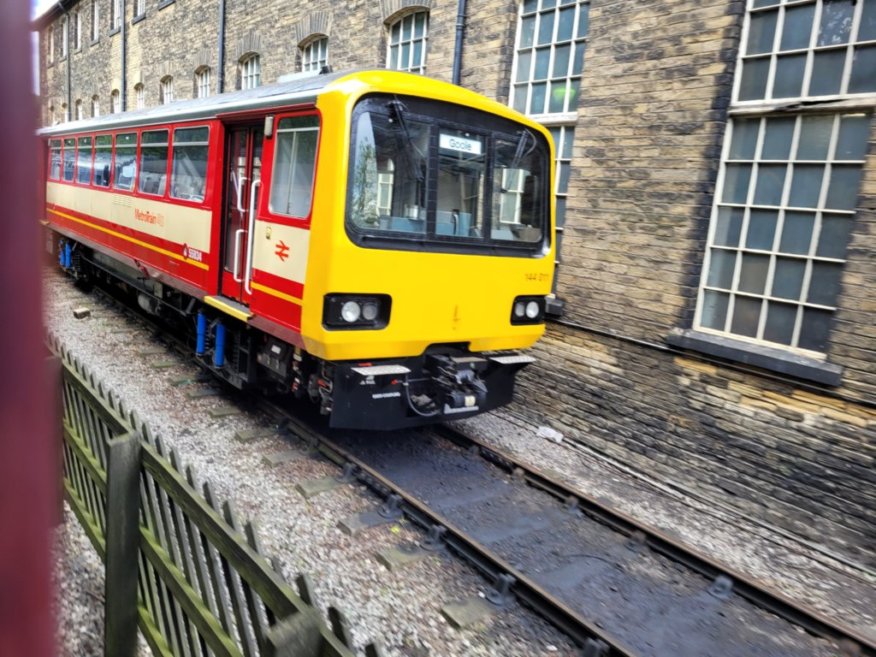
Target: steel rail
<point x="852" y="641"/>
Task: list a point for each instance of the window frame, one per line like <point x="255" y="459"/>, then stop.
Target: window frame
<point x="809" y="51"/>
<point x="140" y="95"/>
<point x="208" y="178"/>
<point x="308" y="63"/>
<point x="424" y="39"/>
<point x="250" y="71"/>
<point x="203" y="82"/>
<point x="95" y="21"/>
<point x="65" y="36"/>
<point x="165" y="84"/>
<point x="115" y="16"/>
<point x="268" y="162"/>
<point x="134" y="181"/>
<point x="168" y="128"/>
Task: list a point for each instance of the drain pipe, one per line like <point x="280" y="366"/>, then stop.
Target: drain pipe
<point x="220" y="83"/>
<point x="457" y="48"/>
<point x="123" y="92"/>
<point x="66" y="38"/>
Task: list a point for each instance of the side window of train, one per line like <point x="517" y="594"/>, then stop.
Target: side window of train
<point x="153" y="162"/>
<point x="189" y="177"/>
<point x="125" y="169"/>
<point x="55" y="159"/>
<point x="84" y="156"/>
<point x="69" y="159"/>
<point x="294" y="163"/>
<point x="103" y="159"/>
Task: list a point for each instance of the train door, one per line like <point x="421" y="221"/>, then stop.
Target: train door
<point x="243" y="165"/>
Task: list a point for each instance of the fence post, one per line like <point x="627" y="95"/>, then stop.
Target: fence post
<point x="122" y="545"/>
<point x="296" y="636"/>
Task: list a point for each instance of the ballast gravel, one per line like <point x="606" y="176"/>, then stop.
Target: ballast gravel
<point x="400" y="609"/>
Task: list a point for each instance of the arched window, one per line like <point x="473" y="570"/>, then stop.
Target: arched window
<point x="314" y="54"/>
<point x="408" y="36"/>
<point x="202" y="82"/>
<point x="80" y="111"/>
<point x="115" y="14"/>
<point x="140" y="95"/>
<point x="165" y="90"/>
<point x="65" y="113"/>
<point x="52" y="118"/>
<point x="115" y="101"/>
<point x="95" y="20"/>
<point x="50" y="46"/>
<point x="250" y="72"/>
<point x="77" y="31"/>
<point x="95" y="106"/>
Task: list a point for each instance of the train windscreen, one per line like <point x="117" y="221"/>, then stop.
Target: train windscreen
<point x="433" y="176"/>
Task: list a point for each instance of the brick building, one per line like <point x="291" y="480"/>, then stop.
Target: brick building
<point x="716" y="197"/>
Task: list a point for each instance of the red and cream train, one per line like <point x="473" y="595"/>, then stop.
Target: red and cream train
<point x="379" y="241"/>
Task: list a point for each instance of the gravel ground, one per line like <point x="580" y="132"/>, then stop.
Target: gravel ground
<point x="400" y="608"/>
<point x="79" y="593"/>
<point x="792" y="567"/>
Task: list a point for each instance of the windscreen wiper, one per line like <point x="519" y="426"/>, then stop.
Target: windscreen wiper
<point x="397" y="112"/>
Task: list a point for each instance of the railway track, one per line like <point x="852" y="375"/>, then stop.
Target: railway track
<point x="689" y="603"/>
<point x="712" y="592"/>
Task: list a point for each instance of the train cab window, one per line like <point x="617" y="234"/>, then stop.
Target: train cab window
<point x="517" y="190"/>
<point x="190" y="151"/>
<point x="103" y="160"/>
<point x="462" y="165"/>
<point x="125" y="169"/>
<point x="428" y="176"/>
<point x="55" y="159"/>
<point x="390" y="174"/>
<point x="294" y="162"/>
<point x="153" y="162"/>
<point x="69" y="159"/>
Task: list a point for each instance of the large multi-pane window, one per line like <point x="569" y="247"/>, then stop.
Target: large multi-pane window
<point x="789" y="180"/>
<point x="408" y="38"/>
<point x="546" y="83"/>
<point x="314" y="55"/>
<point x="551" y="42"/>
<point x="202" y="82"/>
<point x="250" y="72"/>
<point x="811" y="48"/>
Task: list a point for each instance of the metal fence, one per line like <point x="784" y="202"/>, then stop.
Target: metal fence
<point x="178" y="563"/>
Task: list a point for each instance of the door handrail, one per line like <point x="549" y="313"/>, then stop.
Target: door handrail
<point x="250" y="238"/>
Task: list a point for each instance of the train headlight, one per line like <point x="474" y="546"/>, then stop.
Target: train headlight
<point x="351" y="311"/>
<point x="370" y="310"/>
<point x="528" y="310"/>
<point x="356" y="311"/>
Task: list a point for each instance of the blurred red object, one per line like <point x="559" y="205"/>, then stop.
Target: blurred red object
<point x="28" y="423"/>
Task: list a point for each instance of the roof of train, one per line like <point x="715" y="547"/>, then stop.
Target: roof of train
<point x="301" y="89"/>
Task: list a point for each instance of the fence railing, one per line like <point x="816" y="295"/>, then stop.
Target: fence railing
<point x="178" y="562"/>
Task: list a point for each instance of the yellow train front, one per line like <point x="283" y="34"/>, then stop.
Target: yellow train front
<point x="430" y="251"/>
<point x="378" y="241"/>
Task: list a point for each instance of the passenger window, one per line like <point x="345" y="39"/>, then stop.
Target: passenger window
<point x="103" y="159"/>
<point x="153" y="162"/>
<point x="69" y="159"/>
<point x="83" y="161"/>
<point x="189" y="177"/>
<point x="294" y="162"/>
<point x="125" y="169"/>
<point x="55" y="159"/>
